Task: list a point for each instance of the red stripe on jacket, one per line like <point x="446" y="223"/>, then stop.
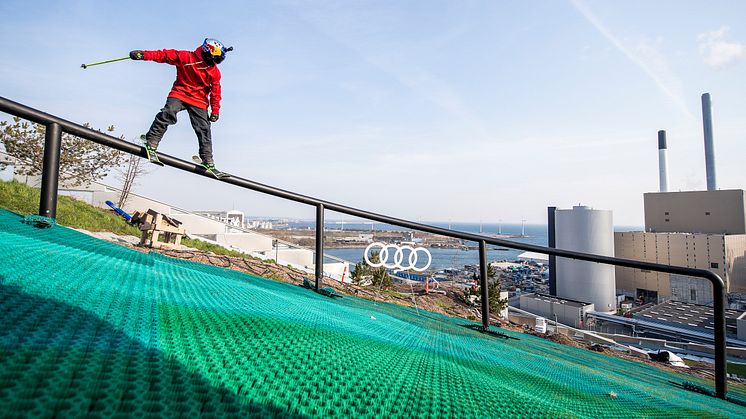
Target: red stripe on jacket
<point x="195" y="80"/>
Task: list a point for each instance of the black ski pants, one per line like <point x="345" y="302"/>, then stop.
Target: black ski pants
<point x="200" y="124"/>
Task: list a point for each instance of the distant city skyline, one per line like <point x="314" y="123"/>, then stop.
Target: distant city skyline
<point x="434" y="110"/>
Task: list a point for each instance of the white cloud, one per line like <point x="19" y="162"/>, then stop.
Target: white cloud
<point x="646" y="56"/>
<point x="716" y="51"/>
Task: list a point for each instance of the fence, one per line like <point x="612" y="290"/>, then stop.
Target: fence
<point x="55" y="126"/>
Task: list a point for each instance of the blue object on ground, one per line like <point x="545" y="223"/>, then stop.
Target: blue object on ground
<point x="119" y="211"/>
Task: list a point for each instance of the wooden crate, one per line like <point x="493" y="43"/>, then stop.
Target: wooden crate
<point x="155" y="226"/>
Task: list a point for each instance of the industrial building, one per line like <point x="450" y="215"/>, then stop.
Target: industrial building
<point x="700" y="229"/>
<point x="696" y="229"/>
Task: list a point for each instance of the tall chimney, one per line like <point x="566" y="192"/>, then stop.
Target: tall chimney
<point x="709" y="146"/>
<point x="662" y="161"/>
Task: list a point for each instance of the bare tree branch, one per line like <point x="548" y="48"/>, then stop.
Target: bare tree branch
<point x="132" y="170"/>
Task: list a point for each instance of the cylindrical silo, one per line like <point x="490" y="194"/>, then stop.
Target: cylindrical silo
<point x="584" y="229"/>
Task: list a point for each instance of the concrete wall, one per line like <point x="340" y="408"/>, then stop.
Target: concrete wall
<point x="255" y="242"/>
<point x="504" y="313"/>
<point x="196" y="224"/>
<point x="714" y="212"/>
<point x="723" y="255"/>
<point x="134" y="203"/>
<point x="568" y="314"/>
<point x="338" y="271"/>
<point x="300" y="257"/>
<point x="735" y="262"/>
<point x="741" y="327"/>
<point x="677" y="347"/>
<point x="691" y="289"/>
<point x="643" y="247"/>
<point x="8" y="173"/>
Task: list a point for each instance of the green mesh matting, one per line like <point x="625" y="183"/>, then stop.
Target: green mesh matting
<point x="89" y="328"/>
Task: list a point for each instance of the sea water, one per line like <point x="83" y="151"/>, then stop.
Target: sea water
<point x="535" y="234"/>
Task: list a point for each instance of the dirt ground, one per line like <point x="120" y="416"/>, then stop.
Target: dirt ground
<point x="442" y="301"/>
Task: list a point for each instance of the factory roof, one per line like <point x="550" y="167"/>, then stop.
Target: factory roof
<point x="687" y="315"/>
<point x="557" y="300"/>
<point x="534" y="256"/>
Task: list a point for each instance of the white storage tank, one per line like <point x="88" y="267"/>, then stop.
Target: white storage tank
<point x="586" y="230"/>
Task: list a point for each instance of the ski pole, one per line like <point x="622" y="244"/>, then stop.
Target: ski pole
<point x="105" y="62"/>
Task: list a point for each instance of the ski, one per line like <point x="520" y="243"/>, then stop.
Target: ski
<point x="215" y="172"/>
<point x="152" y="155"/>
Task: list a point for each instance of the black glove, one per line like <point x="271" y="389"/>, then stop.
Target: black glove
<point x="137" y="55"/>
<point x="214" y="117"/>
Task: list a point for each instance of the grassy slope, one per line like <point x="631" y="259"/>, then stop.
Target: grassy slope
<point x="23" y="199"/>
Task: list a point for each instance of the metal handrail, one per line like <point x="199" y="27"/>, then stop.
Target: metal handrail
<point x="48" y="206"/>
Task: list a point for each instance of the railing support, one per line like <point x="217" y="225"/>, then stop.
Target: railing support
<point x="552" y="243"/>
<point x="483" y="283"/>
<point x="721" y="385"/>
<point x="50" y="171"/>
<point x="319" y="244"/>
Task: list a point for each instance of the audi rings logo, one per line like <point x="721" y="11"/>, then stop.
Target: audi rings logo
<point x="398" y="252"/>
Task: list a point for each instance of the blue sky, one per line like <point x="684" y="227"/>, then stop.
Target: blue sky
<point x="426" y="110"/>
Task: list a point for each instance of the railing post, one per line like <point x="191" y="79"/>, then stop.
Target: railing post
<point x="319" y="244"/>
<point x="483" y="285"/>
<point x="551" y="242"/>
<point x="50" y="173"/>
<point x="721" y="386"/>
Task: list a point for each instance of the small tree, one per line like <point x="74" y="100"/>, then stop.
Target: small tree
<point x="357" y="274"/>
<point x="81" y="161"/>
<point x="381" y="278"/>
<point x="495" y="303"/>
<point x="378" y="276"/>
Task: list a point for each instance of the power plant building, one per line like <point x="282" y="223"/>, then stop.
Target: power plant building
<point x="698" y="229"/>
<point x="695" y="229"/>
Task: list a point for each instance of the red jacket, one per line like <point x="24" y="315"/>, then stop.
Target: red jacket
<point x="195" y="80"/>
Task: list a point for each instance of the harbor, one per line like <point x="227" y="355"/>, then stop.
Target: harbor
<point x="454" y="263"/>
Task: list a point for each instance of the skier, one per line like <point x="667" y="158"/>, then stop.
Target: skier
<point x="197" y="77"/>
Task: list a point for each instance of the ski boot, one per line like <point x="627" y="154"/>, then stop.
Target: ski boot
<point x="152" y="154"/>
<point x="210" y="168"/>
